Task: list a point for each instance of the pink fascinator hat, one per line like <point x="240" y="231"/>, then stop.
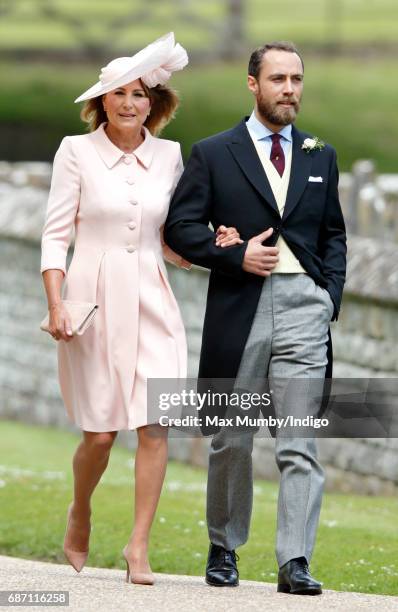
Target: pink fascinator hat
<point x="153" y="65"/>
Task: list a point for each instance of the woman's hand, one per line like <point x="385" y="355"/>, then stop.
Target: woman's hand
<point x="227" y="236"/>
<point x="59" y="323"/>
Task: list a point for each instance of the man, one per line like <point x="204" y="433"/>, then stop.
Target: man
<point x="270" y="299"/>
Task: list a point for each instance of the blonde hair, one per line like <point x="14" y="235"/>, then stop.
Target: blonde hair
<point x="164" y="103"/>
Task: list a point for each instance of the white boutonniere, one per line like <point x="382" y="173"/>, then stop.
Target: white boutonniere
<point x="312" y="144"/>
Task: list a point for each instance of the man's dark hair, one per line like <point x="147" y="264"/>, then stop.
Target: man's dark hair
<point x="257" y="56"/>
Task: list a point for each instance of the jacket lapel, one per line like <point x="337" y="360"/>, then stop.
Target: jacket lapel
<point x="300" y="171"/>
<point x="245" y="154"/>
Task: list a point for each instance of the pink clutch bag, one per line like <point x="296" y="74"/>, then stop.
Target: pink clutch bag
<point x="81" y="315"/>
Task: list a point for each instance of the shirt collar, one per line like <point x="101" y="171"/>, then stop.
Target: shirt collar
<point x="260" y="131"/>
<point x="111" y="154"/>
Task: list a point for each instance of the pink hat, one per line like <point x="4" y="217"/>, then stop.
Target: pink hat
<point x="153" y="65"/>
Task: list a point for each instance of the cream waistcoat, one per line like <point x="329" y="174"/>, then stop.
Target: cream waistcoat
<point x="287" y="263"/>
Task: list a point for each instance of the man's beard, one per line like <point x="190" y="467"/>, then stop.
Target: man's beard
<point x="276" y="114"/>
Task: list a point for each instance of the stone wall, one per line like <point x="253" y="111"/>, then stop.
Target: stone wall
<point x="370" y="202"/>
<point x="365" y="338"/>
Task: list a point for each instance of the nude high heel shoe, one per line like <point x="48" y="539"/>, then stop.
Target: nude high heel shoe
<point x="76" y="558"/>
<point x="137" y="577"/>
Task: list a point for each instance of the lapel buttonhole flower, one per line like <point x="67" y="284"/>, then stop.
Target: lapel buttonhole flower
<point x="312" y="144"/>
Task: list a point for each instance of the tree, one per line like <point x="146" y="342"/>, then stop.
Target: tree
<point x="233" y="39"/>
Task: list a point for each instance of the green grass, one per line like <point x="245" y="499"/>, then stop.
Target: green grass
<point x="359" y="22"/>
<point x="346" y="102"/>
<point x="357" y="539"/>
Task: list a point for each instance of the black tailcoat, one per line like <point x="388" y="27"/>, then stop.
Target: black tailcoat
<point x="224" y="183"/>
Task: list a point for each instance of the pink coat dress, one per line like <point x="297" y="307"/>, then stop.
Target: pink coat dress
<point x="117" y="204"/>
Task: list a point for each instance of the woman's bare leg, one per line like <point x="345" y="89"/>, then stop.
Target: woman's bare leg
<point x="150" y="470"/>
<point x="89" y="463"/>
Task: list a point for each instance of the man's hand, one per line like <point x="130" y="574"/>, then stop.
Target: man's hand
<point x="259" y="259"/>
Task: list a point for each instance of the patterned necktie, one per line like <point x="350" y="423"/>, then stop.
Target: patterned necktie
<point x="277" y="155"/>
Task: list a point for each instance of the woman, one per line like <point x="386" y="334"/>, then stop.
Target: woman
<point x="113" y="186"/>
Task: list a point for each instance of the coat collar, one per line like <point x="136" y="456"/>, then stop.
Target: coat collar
<point x="244" y="151"/>
<point x="111" y="154"/>
<point x="299" y="173"/>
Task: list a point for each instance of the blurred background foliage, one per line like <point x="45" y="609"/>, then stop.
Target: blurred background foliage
<point x="52" y="50"/>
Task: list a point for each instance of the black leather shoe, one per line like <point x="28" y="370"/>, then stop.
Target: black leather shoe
<point x="221" y="567"/>
<point x="294" y="577"/>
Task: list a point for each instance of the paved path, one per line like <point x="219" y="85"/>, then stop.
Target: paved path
<point x="106" y="590"/>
